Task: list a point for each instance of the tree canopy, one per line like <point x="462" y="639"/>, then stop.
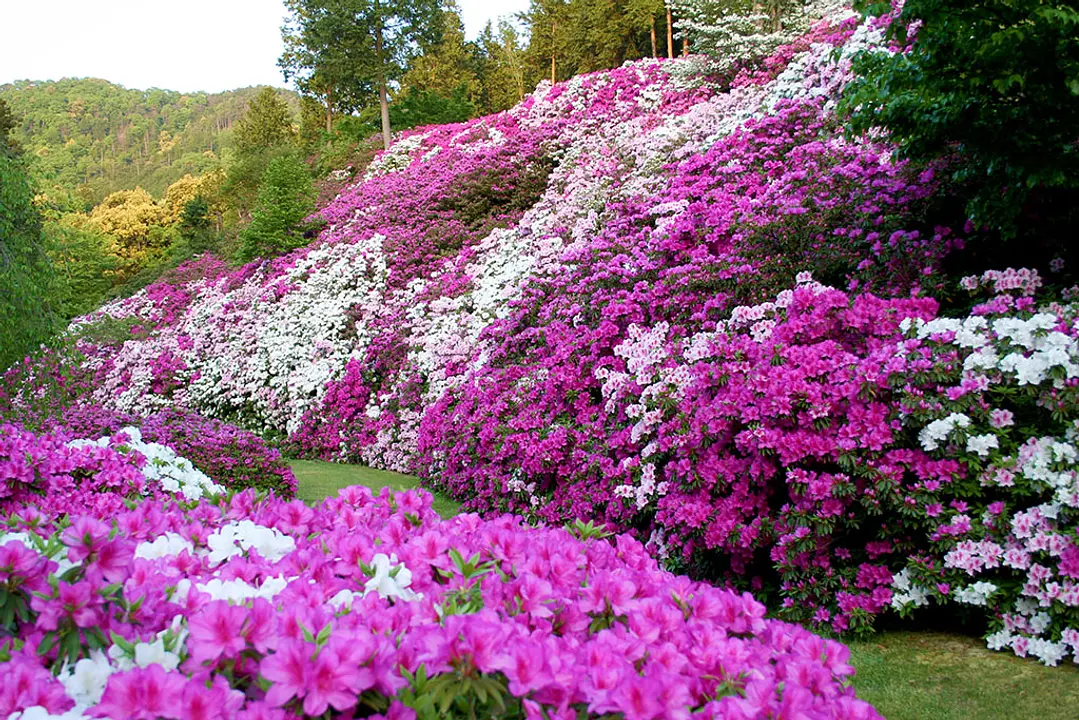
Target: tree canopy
<point x="992" y="83"/>
<point x="286" y="197"/>
<point x="89" y="137"/>
<point x="26" y="274"/>
<point x="348" y="51"/>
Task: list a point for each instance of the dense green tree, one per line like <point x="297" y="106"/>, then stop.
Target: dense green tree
<point x="264" y="133"/>
<point x="7" y="124"/>
<point x="550" y="53"/>
<point x="319" y="51"/>
<point x="646" y="14"/>
<point x="419" y="107"/>
<point x="26" y="274"/>
<point x="448" y="67"/>
<point x="992" y="83"/>
<point x="310" y="133"/>
<point x="503" y="69"/>
<point x="266" y="124"/>
<point x="341" y="50"/>
<point x="574" y="36"/>
<point x="196" y="226"/>
<point x="286" y="198"/>
<point x="86" y="268"/>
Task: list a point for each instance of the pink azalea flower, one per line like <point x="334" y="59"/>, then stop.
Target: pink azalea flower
<point x="142" y="694"/>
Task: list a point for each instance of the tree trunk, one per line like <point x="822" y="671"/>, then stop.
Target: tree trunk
<point x="554" y="28"/>
<point x="670" y="34"/>
<point x="329" y="109"/>
<point x="685" y="47"/>
<point x="654" y="51"/>
<point x="383" y="96"/>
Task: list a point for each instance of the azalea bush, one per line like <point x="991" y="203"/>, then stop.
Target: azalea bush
<point x="1005" y="531"/>
<point x="249" y="606"/>
<point x="50" y="476"/>
<point x="235" y="458"/>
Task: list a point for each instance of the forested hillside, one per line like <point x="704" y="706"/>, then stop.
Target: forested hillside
<point x="91" y="137"/>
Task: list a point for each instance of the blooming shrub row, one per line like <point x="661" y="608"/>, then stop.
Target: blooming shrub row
<point x="237" y="459"/>
<point x="852" y="453"/>
<point x="57" y="477"/>
<point x="249" y="607"/>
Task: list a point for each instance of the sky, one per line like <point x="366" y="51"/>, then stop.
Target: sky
<point x="209" y="45"/>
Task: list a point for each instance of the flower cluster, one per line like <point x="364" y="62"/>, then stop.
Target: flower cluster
<point x="249" y="608"/>
<point x="57" y="476"/>
<point x="1004" y="533"/>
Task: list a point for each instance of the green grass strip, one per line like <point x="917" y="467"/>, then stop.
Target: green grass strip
<point x="318" y="480"/>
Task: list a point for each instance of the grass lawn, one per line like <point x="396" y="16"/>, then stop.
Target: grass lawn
<point x="906" y="675"/>
<point x="920" y="675"/>
<point x="318" y="480"/>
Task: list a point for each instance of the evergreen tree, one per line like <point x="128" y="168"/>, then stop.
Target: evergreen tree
<point x="550" y="39"/>
<point x="574" y="36"/>
<point x="266" y="124"/>
<point x="286" y="198"/>
<point x="196" y="225"/>
<point x="265" y="132"/>
<point x="448" y="67"/>
<point x="503" y="72"/>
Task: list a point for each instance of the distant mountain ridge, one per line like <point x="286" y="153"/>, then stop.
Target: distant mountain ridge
<point x="91" y="137"/>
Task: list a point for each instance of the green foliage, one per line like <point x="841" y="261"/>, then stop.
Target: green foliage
<point x="26" y="275"/>
<point x="245" y="172"/>
<point x="196" y="226"/>
<point x="424" y="107"/>
<point x="348" y="51"/>
<point x="464" y="692"/>
<point x="266" y="124"/>
<point x="993" y="84"/>
<point x="85" y="268"/>
<point x="448" y="67"/>
<point x="587" y="530"/>
<point x="264" y="133"/>
<point x="586" y="35"/>
<point x="503" y="72"/>
<point x="107" y="330"/>
<point x="7" y="124"/>
<point x="286" y="197"/>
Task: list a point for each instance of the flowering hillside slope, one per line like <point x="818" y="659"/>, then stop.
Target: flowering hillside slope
<point x="684" y="305"/>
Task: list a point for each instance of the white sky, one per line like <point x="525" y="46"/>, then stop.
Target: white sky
<point x="209" y="45"/>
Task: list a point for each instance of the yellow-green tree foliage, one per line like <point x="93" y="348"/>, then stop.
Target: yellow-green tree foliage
<point x="134" y="222"/>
